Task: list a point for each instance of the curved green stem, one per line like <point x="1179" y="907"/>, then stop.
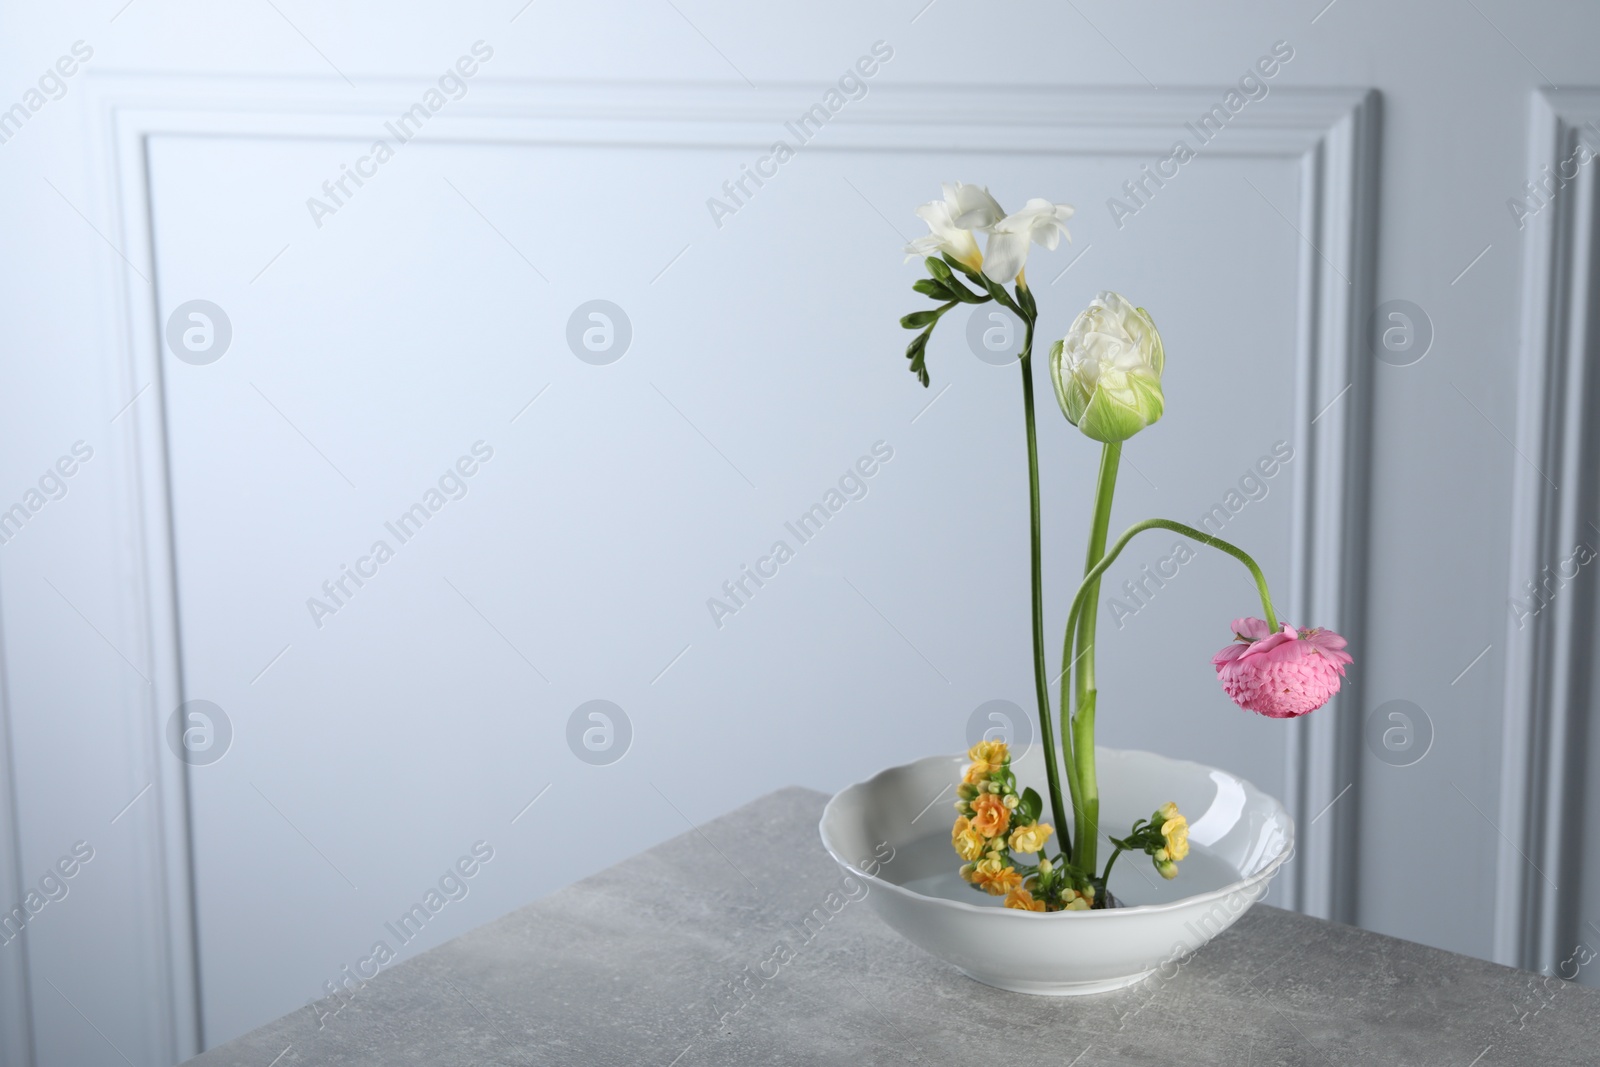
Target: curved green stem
<point x="1040" y="675"/>
<point x="1176" y="527"/>
<point x="1106" y="878"/>
<point x="1085" y="798"/>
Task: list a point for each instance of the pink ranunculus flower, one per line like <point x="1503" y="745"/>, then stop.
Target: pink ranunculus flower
<point x="1281" y="675"/>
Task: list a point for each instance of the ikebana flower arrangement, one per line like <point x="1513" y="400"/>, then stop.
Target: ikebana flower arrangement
<point x="1107" y="376"/>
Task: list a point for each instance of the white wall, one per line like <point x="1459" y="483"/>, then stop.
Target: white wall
<point x="405" y="329"/>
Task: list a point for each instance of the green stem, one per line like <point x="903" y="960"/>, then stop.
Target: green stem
<point x="1086" y="796"/>
<point x="1110" y="459"/>
<point x="1040" y="675"/>
<point x="1091" y="581"/>
<point x="1106" y="878"/>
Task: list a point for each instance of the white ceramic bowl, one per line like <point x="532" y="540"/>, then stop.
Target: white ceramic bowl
<point x="1239" y="837"/>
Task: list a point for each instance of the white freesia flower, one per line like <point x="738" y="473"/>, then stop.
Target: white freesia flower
<point x="951" y="221"/>
<point x="1040" y="222"/>
<point x="972" y="205"/>
<point x="1107" y="370"/>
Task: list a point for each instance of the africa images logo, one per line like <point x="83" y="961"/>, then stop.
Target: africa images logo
<point x="404" y="127"/>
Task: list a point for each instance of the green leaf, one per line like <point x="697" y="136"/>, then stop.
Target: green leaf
<point x="936" y="289"/>
<point x="918" y="319"/>
<point x="1031" y="805"/>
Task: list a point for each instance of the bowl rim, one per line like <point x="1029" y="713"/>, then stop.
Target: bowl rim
<point x="1010" y="914"/>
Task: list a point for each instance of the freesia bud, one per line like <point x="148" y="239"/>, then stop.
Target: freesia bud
<point x="1107" y="370"/>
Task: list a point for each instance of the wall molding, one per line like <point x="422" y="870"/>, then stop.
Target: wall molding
<point x="1330" y="135"/>
<point x="1549" y="673"/>
<point x="16" y="1021"/>
<point x="1339" y="204"/>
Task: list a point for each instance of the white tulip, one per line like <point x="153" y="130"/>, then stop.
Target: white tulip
<point x="1040" y="221"/>
<point x="1107" y="370"/>
<point x="951" y="221"/>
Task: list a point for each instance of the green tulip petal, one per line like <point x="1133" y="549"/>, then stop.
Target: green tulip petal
<point x="1158" y="354"/>
<point x="1071" y="395"/>
<point x="1113" y="416"/>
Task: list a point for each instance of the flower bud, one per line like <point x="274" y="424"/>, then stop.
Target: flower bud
<point x="1167" y="869"/>
<point x="966" y="791"/>
<point x="1107" y="370"/>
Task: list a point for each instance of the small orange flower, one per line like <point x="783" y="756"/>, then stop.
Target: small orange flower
<point x="990" y="816"/>
<point x="1023" y="900"/>
<point x="1002" y="882"/>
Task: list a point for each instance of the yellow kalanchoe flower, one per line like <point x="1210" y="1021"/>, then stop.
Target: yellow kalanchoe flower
<point x="1030" y="838"/>
<point x="967" y="842"/>
<point x="1175" y="829"/>
<point x="985" y="871"/>
<point x="992" y="875"/>
<point x="987" y="757"/>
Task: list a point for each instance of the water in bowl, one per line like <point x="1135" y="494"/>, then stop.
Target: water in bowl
<point x="930" y="867"/>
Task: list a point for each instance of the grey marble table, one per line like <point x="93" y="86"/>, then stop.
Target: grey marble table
<point x="694" y="953"/>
